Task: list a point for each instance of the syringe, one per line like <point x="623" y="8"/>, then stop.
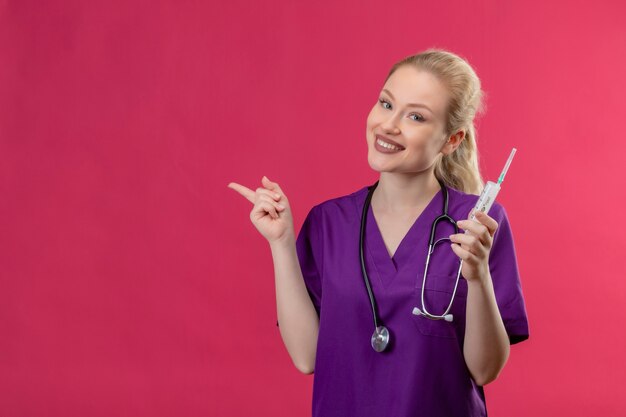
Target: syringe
<point x="491" y="190"/>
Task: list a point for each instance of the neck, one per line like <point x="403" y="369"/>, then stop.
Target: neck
<point x="401" y="192"/>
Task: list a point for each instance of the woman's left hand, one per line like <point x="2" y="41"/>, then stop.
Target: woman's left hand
<point x="474" y="246"/>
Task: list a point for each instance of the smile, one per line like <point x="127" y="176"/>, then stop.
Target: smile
<point x="388" y="145"/>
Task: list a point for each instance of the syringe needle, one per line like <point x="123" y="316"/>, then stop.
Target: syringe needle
<point x="506" y="166"/>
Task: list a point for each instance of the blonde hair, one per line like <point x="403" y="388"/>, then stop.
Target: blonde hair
<point x="460" y="169"/>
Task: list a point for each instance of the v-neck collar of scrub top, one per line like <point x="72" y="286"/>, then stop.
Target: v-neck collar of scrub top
<point x="386" y="265"/>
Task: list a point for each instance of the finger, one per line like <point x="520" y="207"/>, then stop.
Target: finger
<point x="469" y="243"/>
<point x="244" y="191"/>
<point x="490" y="223"/>
<point x="270" y="200"/>
<point x="271" y="185"/>
<point x="482" y="217"/>
<point x="272" y="194"/>
<point x="462" y="253"/>
<point x="476" y="229"/>
<point x="268" y="208"/>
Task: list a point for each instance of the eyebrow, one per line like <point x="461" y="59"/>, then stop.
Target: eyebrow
<point x="410" y="104"/>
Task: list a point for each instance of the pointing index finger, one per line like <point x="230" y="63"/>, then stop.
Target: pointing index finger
<point x="244" y="191"/>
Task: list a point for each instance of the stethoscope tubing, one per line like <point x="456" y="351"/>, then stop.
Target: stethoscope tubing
<point x="381" y="335"/>
<point x="361" y="238"/>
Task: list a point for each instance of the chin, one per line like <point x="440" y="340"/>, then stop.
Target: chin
<point x="377" y="166"/>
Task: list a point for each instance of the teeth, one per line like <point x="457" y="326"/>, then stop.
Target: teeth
<point x="387" y="145"/>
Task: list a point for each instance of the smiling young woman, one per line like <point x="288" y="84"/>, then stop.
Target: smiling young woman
<point x="421" y="140"/>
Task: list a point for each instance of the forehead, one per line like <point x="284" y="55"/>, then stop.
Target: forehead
<point x="410" y="85"/>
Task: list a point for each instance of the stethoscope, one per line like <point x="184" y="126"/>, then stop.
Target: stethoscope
<point x="380" y="338"/>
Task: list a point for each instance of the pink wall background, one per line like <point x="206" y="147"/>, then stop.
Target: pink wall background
<point x="132" y="282"/>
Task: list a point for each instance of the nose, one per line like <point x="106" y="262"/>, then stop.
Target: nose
<point x="390" y="126"/>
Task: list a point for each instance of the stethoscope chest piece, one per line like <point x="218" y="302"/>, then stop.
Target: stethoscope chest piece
<point x="380" y="338"/>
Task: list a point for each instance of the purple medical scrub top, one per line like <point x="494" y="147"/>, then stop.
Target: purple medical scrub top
<point x="422" y="372"/>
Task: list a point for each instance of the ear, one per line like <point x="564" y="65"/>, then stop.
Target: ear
<point x="453" y="142"/>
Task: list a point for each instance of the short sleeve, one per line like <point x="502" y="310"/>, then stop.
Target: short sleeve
<point x="506" y="279"/>
<point x="310" y="256"/>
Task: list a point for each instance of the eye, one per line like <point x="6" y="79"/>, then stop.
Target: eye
<point x="382" y="102"/>
<point x="420" y="118"/>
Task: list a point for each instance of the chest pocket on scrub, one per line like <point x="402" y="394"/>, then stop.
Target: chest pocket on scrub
<point x="437" y="296"/>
